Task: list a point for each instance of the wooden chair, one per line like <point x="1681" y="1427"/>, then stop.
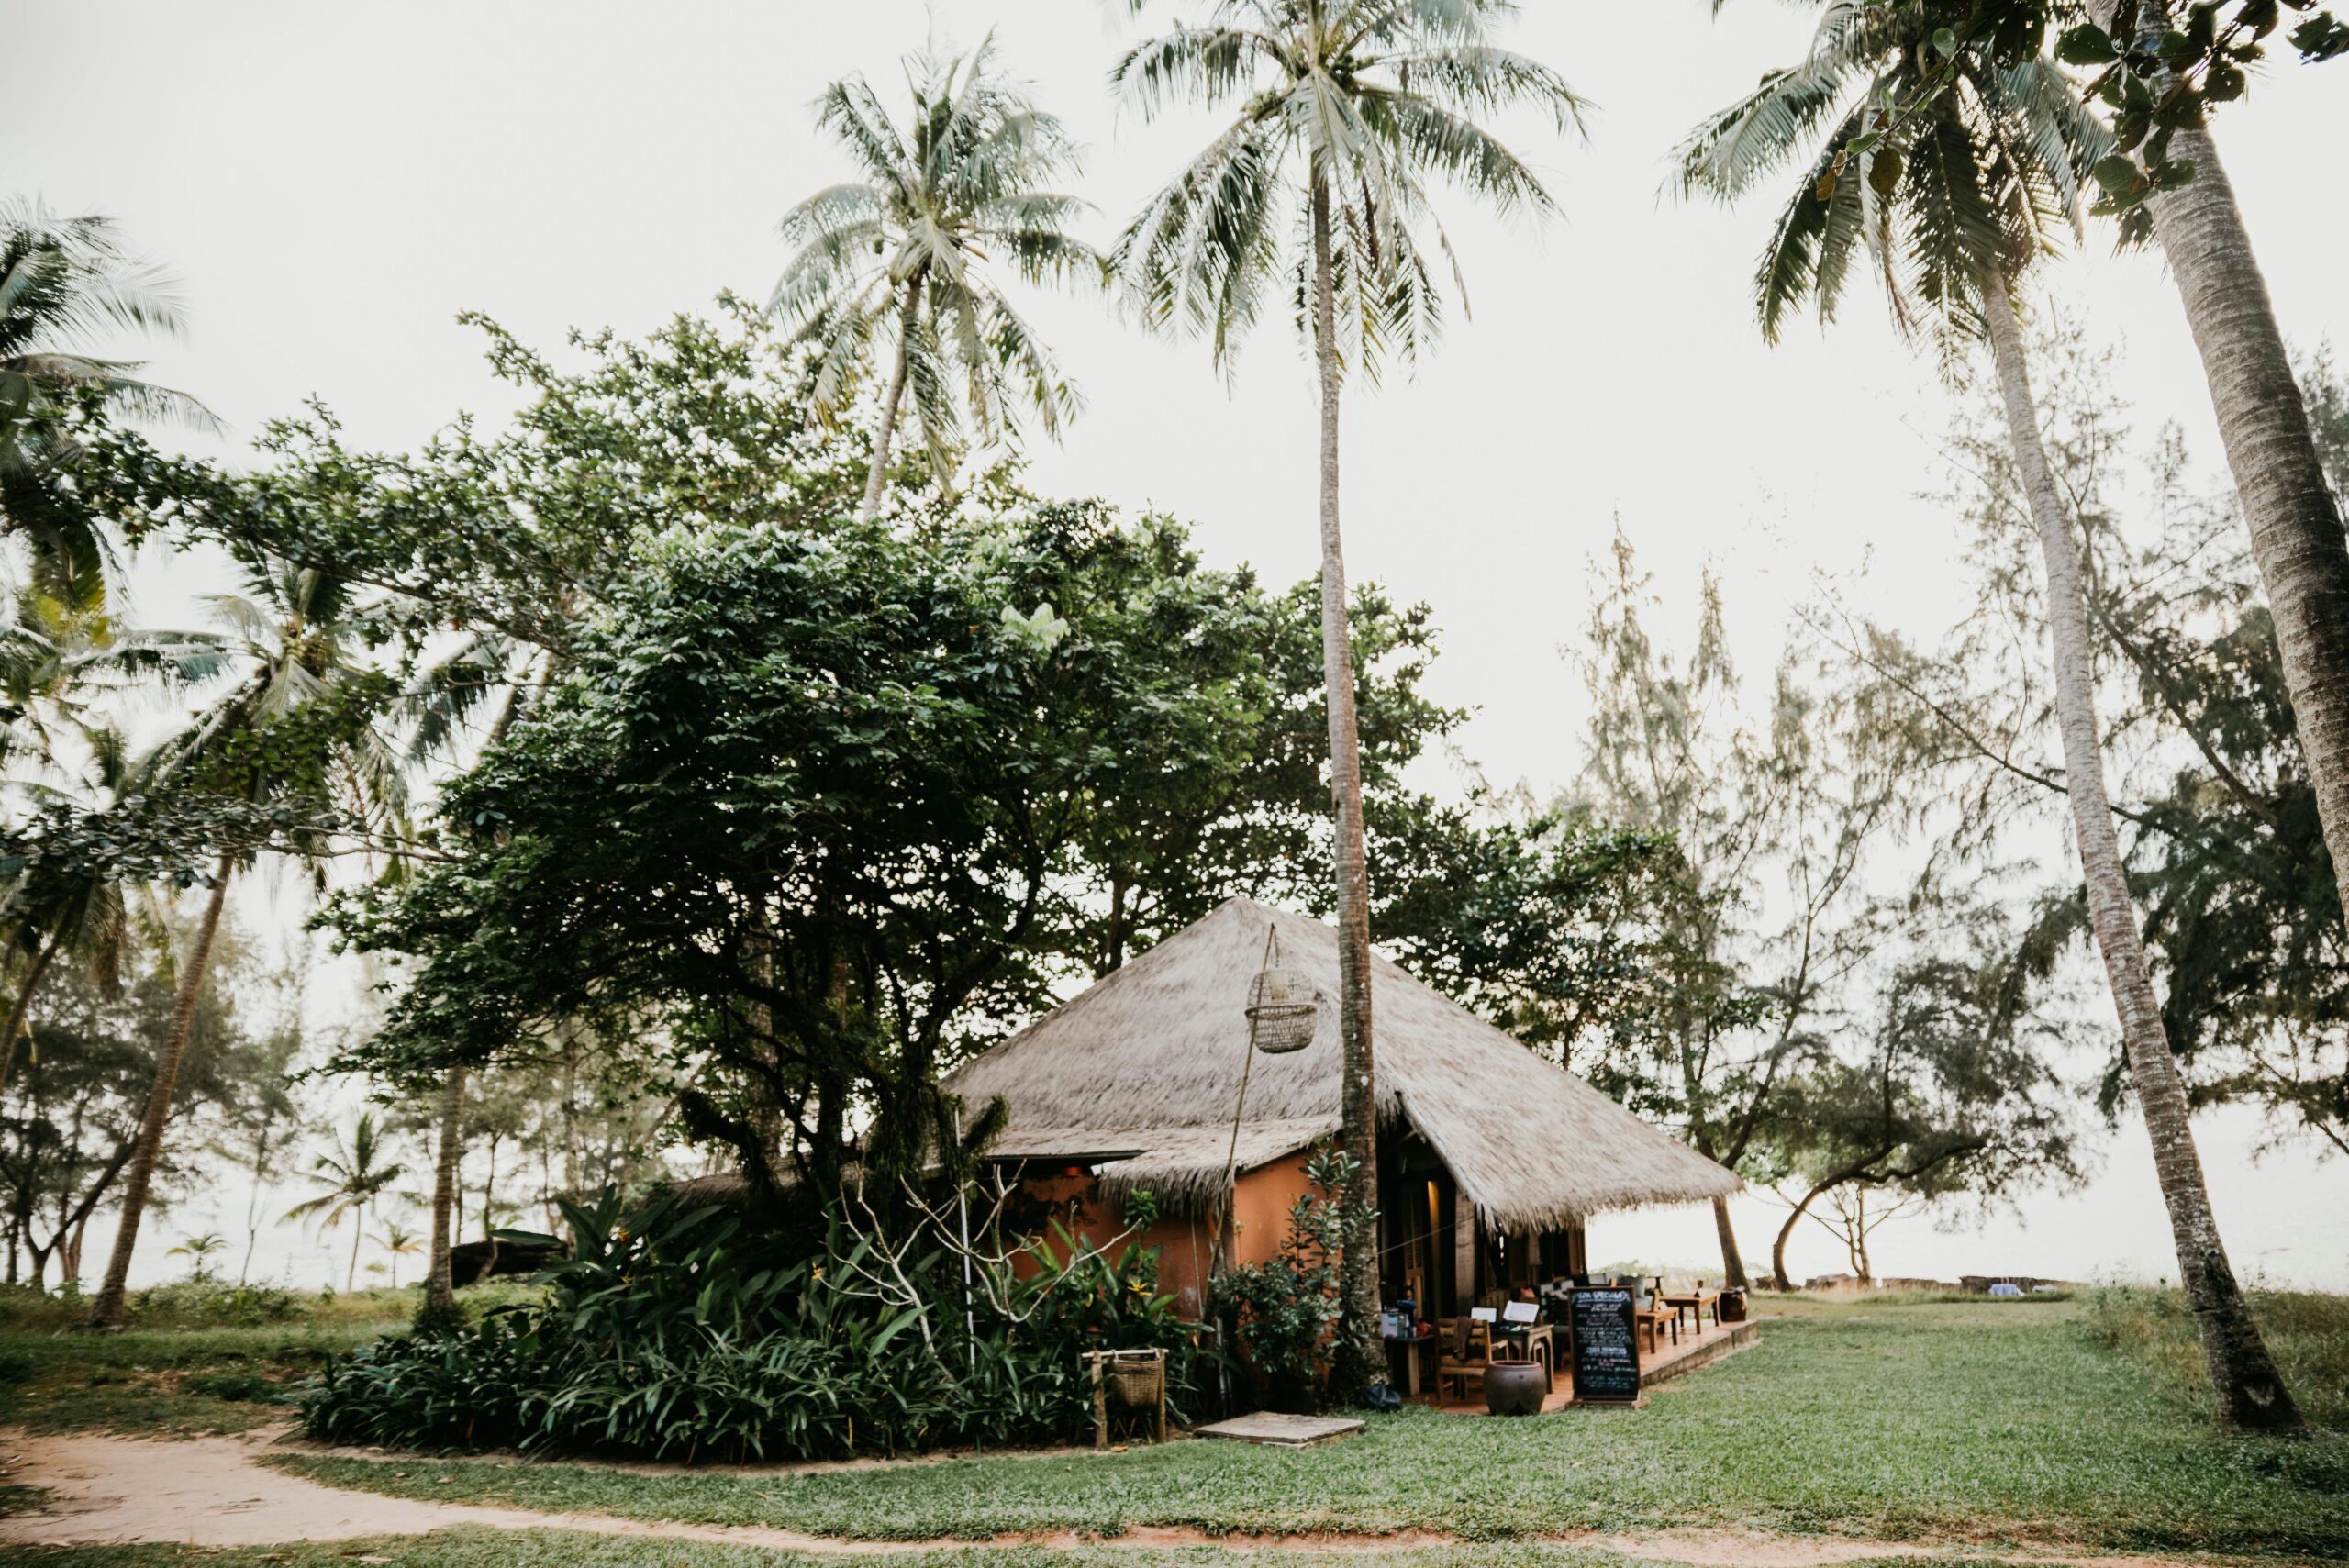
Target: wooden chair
<point x="1653" y="1315"/>
<point x="1470" y="1352"/>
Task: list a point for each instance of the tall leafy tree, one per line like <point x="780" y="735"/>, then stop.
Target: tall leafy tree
<point x="2226" y="852"/>
<point x="2162" y="70"/>
<point x="70" y="1116"/>
<point x="1949" y="203"/>
<point x="1950" y="1095"/>
<point x="1347" y="111"/>
<point x="61" y="664"/>
<point x="896" y="261"/>
<point x="67" y="285"/>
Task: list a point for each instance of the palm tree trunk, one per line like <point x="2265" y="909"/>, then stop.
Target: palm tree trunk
<point x="2242" y="1378"/>
<point x="2296" y="529"/>
<point x="253" y="1212"/>
<point x="21" y="1008"/>
<point x="106" y="1311"/>
<point x="357" y="1234"/>
<point x="1733" y="1261"/>
<point x="1357" y="1101"/>
<point x="907" y="315"/>
<point x="440" y="1290"/>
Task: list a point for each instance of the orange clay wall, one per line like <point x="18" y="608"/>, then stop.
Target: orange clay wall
<point x="1261" y="1203"/>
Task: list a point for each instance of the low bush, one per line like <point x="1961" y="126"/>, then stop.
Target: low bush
<point x="201" y="1303"/>
<point x="674" y="1332"/>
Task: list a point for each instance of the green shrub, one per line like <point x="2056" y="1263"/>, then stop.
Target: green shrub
<point x="205" y="1303"/>
<point x="676" y="1332"/>
<point x="1283" y="1310"/>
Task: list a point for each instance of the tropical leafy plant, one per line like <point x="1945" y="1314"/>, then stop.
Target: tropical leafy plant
<point x="1284" y="1309"/>
<point x="198" y="1250"/>
<point x="677" y="1329"/>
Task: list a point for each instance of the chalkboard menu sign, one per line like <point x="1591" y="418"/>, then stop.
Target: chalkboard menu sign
<point x="1606" y="1345"/>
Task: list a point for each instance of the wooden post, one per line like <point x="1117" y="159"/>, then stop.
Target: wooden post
<point x="1100" y="1403"/>
<point x="1463" y="1250"/>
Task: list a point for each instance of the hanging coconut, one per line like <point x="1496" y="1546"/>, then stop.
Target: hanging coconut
<point x="1282" y="1010"/>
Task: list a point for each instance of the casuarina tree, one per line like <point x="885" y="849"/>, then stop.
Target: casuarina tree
<point x="1947" y="204"/>
<point x="1317" y="189"/>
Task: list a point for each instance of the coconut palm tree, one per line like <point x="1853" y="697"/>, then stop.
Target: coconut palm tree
<point x="351" y="1177"/>
<point x="198" y="1250"/>
<point x="438" y="1308"/>
<point x="2296" y="525"/>
<point x="1946" y="204"/>
<point x="1348" y="110"/>
<point x="297" y="726"/>
<point x="896" y="261"/>
<point x="65" y="285"/>
<point x="398" y="1241"/>
<point x="54" y="656"/>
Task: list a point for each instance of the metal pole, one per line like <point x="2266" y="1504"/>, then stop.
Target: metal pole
<point x="1220" y="1234"/>
<point x="962" y="1203"/>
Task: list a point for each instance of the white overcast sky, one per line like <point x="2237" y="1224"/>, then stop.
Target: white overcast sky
<point x="334" y="183"/>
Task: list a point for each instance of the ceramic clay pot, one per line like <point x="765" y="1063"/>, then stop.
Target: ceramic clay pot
<point x="1514" y="1388"/>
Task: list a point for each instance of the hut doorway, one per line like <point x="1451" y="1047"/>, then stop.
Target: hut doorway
<point x="1420" y="1257"/>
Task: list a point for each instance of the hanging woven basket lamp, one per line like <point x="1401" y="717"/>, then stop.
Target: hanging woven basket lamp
<point x="1283" y="1008"/>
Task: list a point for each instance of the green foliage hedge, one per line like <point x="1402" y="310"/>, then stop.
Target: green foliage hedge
<point x="677" y="1332"/>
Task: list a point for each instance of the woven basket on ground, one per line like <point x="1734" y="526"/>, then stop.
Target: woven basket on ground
<point x="1135" y="1379"/>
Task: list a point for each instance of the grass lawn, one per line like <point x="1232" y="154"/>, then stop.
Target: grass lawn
<point x="189" y="1364"/>
<point x="1976" y="1421"/>
<point x="540" y="1549"/>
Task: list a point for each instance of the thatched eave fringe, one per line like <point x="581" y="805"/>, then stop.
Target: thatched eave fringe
<point x="1158" y="1049"/>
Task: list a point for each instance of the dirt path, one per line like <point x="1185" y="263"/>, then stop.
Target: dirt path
<point x="209" y="1492"/>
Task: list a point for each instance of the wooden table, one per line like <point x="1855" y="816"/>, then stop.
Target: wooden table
<point x="1695" y="1302"/>
<point x="1536" y="1341"/>
<point x="1411" y="1354"/>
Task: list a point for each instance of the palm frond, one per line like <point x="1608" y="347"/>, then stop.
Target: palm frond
<point x="1197" y="258"/>
<point x="1416" y="130"/>
<point x="1208" y="65"/>
<point x="1479" y="79"/>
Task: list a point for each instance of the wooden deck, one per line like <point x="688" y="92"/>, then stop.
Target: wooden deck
<point x="1697" y="1349"/>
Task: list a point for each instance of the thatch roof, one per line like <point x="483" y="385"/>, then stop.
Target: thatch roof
<point x="1138" y="1076"/>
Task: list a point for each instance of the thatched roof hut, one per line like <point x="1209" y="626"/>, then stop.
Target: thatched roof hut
<point x="1137" y="1080"/>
